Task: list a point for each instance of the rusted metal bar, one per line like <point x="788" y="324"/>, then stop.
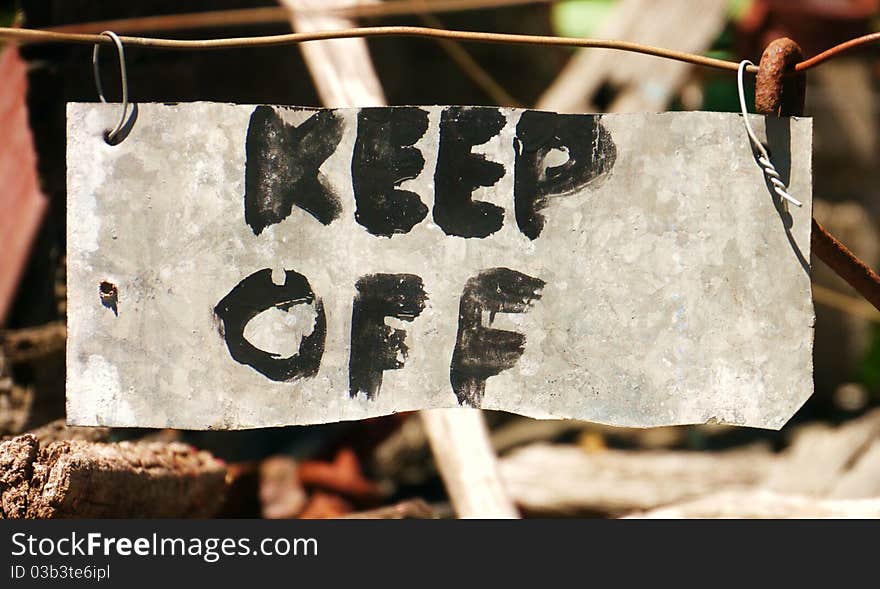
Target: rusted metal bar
<point x="845" y="264"/>
<point x="780" y="91"/>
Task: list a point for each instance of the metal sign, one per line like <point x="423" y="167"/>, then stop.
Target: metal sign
<point x="234" y="266"/>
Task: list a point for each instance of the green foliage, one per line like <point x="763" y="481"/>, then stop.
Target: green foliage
<point x="869" y="367"/>
<point x="580" y="18"/>
<point x="8" y="12"/>
<point x="737" y="8"/>
<point x="585" y="18"/>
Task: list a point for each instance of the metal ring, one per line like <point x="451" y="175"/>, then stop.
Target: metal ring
<point x="778" y="89"/>
<point x="112" y="134"/>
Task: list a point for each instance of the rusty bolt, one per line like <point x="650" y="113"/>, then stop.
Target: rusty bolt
<point x="779" y="90"/>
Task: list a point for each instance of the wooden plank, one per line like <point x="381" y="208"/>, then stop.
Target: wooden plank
<point x="639" y="83"/>
<point x="831" y="461"/>
<point x="344" y="75"/>
<point x="341" y="68"/>
<point x="825" y="472"/>
<point x="548" y="480"/>
<point x="764" y="504"/>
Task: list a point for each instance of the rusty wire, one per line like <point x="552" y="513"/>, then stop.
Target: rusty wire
<point x="41" y="36"/>
<point x="44" y="36"/>
<point x="845" y="264"/>
<point x="836" y="50"/>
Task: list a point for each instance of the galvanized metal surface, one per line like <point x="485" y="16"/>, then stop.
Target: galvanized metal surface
<point x="675" y="290"/>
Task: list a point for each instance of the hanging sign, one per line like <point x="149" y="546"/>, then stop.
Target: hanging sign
<point x="234" y="266"/>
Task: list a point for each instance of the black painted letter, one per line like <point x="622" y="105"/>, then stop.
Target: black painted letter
<point x="375" y="347"/>
<point x="281" y="169"/>
<point x="459" y="172"/>
<point x="383" y="158"/>
<point x="480" y="351"/>
<point x="591" y="155"/>
<point x="252" y="296"/>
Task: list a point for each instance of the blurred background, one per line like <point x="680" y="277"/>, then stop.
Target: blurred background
<point x="828" y="454"/>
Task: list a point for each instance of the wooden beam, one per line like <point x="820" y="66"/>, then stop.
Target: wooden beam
<point x="345" y="77"/>
<point x="637" y="84"/>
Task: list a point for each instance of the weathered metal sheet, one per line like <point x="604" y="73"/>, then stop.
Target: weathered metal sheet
<point x="234" y="266"/>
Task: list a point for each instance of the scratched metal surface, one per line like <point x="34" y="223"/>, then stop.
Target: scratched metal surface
<point x="675" y="291"/>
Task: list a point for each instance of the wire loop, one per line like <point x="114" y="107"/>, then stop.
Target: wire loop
<point x="111" y="134"/>
<point x="763" y="156"/>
